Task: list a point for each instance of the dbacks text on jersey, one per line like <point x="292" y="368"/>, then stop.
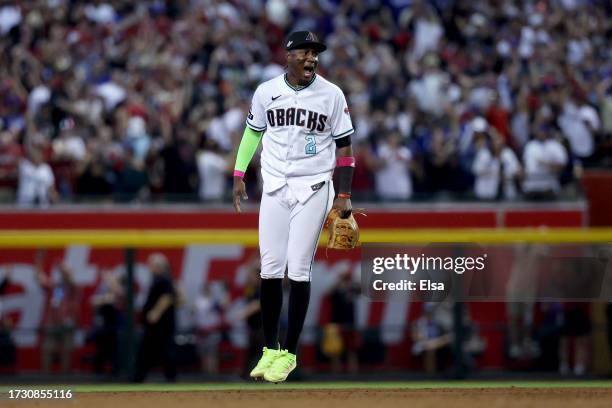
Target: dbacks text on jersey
<point x="296" y="117"/>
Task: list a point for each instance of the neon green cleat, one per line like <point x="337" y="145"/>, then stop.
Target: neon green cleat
<point x="264" y="363"/>
<point x="284" y="364"/>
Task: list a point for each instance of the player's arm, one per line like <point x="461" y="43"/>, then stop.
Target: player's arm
<point x="342" y="129"/>
<point x="246" y="150"/>
<point x="345" y="166"/>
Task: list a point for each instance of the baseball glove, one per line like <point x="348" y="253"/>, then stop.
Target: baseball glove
<point x="343" y="232"/>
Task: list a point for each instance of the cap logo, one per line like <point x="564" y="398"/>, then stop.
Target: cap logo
<point x="289" y="43"/>
<point x="310" y="37"/>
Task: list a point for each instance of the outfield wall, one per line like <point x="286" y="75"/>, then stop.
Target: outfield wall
<point x="193" y="265"/>
<point x="431" y="215"/>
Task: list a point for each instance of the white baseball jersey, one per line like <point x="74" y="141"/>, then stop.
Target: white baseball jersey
<point x="300" y="127"/>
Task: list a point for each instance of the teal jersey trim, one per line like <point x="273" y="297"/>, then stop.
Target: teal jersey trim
<point x="300" y="88"/>
<point x="348" y="132"/>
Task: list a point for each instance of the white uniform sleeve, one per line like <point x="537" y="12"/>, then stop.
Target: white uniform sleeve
<point x="341" y="124"/>
<point x="256" y="118"/>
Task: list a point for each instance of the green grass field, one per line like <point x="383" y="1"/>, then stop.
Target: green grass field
<point x="336" y="385"/>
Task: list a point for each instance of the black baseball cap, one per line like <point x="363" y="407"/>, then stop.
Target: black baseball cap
<point x="304" y="39"/>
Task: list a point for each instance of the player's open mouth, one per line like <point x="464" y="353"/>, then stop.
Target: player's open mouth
<point x="308" y="72"/>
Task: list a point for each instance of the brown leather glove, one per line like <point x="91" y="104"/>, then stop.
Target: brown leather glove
<point x="343" y="232"/>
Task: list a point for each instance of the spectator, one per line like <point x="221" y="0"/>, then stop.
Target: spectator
<point x="496" y="169"/>
<point x="392" y="169"/>
<point x="434" y="331"/>
<point x="579" y="124"/>
<point x="178" y="161"/>
<point x="430" y="90"/>
<point x="8" y="350"/>
<point x="207" y="316"/>
<point x="213" y="168"/>
<point x="132" y="179"/>
<point x="106" y="302"/>
<point x="428" y="30"/>
<point x="68" y="145"/>
<point x="431" y="336"/>
<point x="251" y="313"/>
<point x="63" y="305"/>
<point x="137" y="139"/>
<point x="520" y="122"/>
<point x="10" y="155"/>
<point x="158" y="318"/>
<point x="575" y="331"/>
<point x="520" y="295"/>
<point x="605" y="95"/>
<point x="36" y="181"/>
<point x="363" y="181"/>
<point x="93" y="180"/>
<point x="442" y="170"/>
<point x="609" y="328"/>
<point x="498" y="118"/>
<point x="68" y="148"/>
<point x="343" y="297"/>
<point x="544" y="158"/>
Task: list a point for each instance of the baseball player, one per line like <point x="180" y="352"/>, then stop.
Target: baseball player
<point x="304" y="124"/>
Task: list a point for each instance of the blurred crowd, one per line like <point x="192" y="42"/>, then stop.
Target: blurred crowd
<point x="145" y="101"/>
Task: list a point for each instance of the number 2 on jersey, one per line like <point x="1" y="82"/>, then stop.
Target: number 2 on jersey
<point x="311" y="146"/>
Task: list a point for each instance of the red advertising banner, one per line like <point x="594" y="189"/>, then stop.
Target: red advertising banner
<point x="194" y="266"/>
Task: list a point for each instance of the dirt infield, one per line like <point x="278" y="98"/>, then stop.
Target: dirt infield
<point x="353" y="398"/>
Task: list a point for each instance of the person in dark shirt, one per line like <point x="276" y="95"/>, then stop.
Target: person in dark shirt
<point x="8" y="350"/>
<point x="132" y="180"/>
<point x="93" y="182"/>
<point x="62" y="314"/>
<point x="609" y="330"/>
<point x="158" y="318"/>
<point x="251" y="313"/>
<point x="180" y="177"/>
<point x="106" y="302"/>
<point x="343" y="297"/>
<point x="4" y="284"/>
